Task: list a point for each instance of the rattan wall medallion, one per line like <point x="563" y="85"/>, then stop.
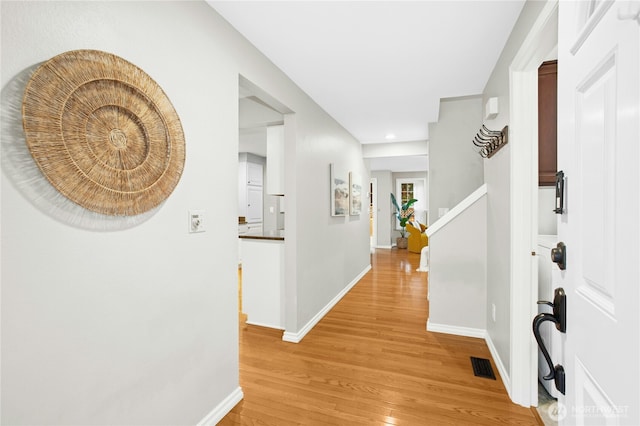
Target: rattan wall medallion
<point x="103" y="132"/>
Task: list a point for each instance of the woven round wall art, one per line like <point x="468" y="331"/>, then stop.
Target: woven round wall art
<point x="103" y="132"/>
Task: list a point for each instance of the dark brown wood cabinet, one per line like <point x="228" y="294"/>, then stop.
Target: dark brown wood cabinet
<point x="547" y="123"/>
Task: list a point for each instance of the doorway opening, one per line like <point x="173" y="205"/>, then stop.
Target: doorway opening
<point x="547" y="224"/>
<point x="541" y="41"/>
<point x="262" y="119"/>
<point x="373" y="214"/>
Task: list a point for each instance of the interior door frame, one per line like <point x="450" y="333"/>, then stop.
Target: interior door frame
<point x="523" y="89"/>
<point x="373" y="188"/>
<point x="289" y="296"/>
<point x="398" y="193"/>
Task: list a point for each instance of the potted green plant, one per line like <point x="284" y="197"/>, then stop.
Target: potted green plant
<point x="403" y="213"/>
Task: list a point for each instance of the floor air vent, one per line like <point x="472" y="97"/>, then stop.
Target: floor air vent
<point x="482" y="368"/>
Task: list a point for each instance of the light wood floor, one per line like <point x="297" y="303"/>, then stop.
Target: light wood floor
<point x="370" y="361"/>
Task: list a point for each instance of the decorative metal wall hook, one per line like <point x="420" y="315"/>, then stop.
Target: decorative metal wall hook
<point x="490" y="141"/>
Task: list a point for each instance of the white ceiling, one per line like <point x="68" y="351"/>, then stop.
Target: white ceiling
<point x="379" y="67"/>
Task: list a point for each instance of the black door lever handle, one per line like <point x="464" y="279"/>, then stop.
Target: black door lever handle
<point x="556" y="373"/>
<point x="559" y="318"/>
<point x="545" y="302"/>
<point x="537" y="322"/>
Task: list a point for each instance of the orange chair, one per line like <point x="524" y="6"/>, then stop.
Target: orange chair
<point x="417" y="238"/>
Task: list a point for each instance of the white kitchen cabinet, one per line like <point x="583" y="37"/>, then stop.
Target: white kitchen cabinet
<point x="244" y="229"/>
<point x="255" y="173"/>
<point x="254" y="204"/>
<point x="254" y="228"/>
<point x="249" y="228"/>
<point x="250" y="189"/>
<point x="263" y="282"/>
<point x="275" y="160"/>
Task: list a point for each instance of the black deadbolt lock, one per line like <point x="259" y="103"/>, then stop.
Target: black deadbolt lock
<point x="559" y="193"/>
<point x="559" y="255"/>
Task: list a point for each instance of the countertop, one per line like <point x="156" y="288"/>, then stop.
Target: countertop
<point x="264" y="235"/>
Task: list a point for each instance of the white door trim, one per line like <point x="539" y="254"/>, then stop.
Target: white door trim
<point x="523" y="129"/>
<point x="374" y="196"/>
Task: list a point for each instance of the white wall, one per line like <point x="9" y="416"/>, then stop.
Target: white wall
<point x="386" y="219"/>
<point x="455" y="168"/>
<point x="331" y="251"/>
<point x="547" y="219"/>
<point x="497" y="176"/>
<point x="139" y="325"/>
<point x="457" y="271"/>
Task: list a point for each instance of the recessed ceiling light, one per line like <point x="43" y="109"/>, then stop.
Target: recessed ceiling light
<point x="390" y="136"/>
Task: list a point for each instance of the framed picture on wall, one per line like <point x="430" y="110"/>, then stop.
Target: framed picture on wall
<point x="339" y="191"/>
<point x="355" y="193"/>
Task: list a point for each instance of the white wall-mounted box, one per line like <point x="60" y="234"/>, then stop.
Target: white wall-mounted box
<point x="491" y="109"/>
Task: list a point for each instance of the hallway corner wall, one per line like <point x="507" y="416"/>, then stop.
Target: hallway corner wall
<point x="140" y="325"/>
<point x="386" y="219"/>
<point x="455" y="168"/>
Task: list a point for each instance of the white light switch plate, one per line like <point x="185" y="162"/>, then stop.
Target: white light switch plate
<point x="196" y="221"/>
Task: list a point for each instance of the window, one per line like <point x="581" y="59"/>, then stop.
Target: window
<point x="406" y="192"/>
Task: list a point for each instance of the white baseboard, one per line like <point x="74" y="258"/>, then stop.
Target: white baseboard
<point x="261" y="324"/>
<point x="456" y="330"/>
<point x="385" y="247"/>
<point x="506" y="380"/>
<point x="222" y="409"/>
<point x="297" y="337"/>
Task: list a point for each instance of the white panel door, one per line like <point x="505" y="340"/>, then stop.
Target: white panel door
<point x="598" y="138"/>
